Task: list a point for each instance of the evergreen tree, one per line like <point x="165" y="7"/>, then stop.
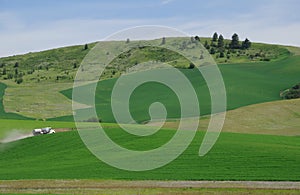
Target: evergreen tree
<point x="221" y="41"/>
<point x="235" y="43"/>
<point x="212" y="50"/>
<point x="222" y="54"/>
<point x="191" y="66"/>
<point x="215" y="37"/>
<point x="16" y="65"/>
<point x="86" y="46"/>
<point x="246" y="44"/>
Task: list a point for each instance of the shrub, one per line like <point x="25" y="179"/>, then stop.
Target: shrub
<point x="191" y="66"/>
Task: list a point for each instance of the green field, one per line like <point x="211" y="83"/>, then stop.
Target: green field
<point x="48" y="72"/>
<point x="246" y="84"/>
<point x="253" y="99"/>
<point x="9" y="126"/>
<point x="234" y="157"/>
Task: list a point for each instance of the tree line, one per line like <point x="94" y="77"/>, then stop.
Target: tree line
<point x="218" y="44"/>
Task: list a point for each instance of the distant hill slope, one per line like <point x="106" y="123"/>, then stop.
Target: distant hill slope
<point x="246" y="84"/>
<point x="46" y="73"/>
<point x="60" y="65"/>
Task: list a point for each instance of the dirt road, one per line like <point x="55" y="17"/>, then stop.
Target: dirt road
<point x="148" y="187"/>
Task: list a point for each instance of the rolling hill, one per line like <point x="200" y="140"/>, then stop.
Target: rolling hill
<point x="246" y="84"/>
<point x="255" y="107"/>
<point x="55" y="69"/>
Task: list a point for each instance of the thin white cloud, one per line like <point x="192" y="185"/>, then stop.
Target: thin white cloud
<point x="58" y="34"/>
<point x="268" y="24"/>
<point x="262" y="25"/>
<point x="164" y="2"/>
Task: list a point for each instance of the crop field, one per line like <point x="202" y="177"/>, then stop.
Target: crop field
<point x="246" y="84"/>
<point x="4" y="114"/>
<point x="260" y="140"/>
<point x="38" y="101"/>
<point x="234" y="157"/>
<point x="12" y="126"/>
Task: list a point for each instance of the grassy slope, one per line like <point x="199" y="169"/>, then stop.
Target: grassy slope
<point x="4" y="114"/>
<point x="272" y="118"/>
<point x="234" y="157"/>
<point x="246" y="84"/>
<point x="47" y="65"/>
<point x="39" y="101"/>
<point x="279" y="118"/>
<point x="60" y="62"/>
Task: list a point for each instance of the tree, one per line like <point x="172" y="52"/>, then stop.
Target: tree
<point x="163" y="41"/>
<point x="86" y="46"/>
<point x="212" y="50"/>
<point x="221" y="41"/>
<point x="246" y="44"/>
<point x="235" y="43"/>
<point x="4" y="71"/>
<point x="19" y="80"/>
<point x="127" y="40"/>
<point x="16" y="65"/>
<point x="222" y="55"/>
<point x="215" y="37"/>
<point x="191" y="66"/>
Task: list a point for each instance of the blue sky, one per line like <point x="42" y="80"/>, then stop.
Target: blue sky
<point x="33" y="25"/>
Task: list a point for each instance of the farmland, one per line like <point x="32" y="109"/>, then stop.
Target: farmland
<point x="260" y="140"/>
<point x="234" y="157"/>
<point x="55" y="69"/>
<point x="246" y="84"/>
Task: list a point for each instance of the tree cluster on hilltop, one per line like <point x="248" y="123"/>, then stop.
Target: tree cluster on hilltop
<point x="220" y="47"/>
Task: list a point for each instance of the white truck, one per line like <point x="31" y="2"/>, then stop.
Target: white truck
<point x="42" y="131"/>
